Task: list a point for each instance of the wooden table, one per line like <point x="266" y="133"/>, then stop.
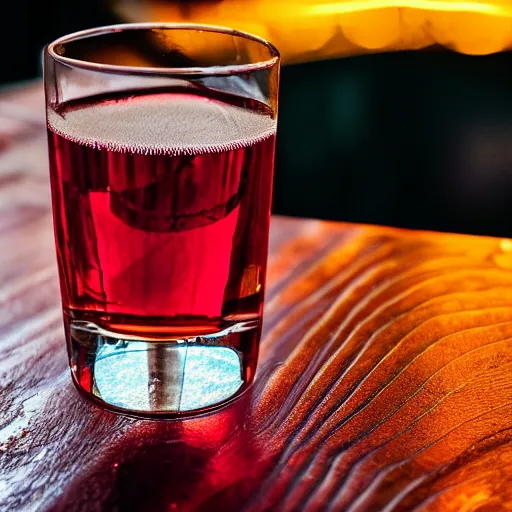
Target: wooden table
<point x="384" y="382"/>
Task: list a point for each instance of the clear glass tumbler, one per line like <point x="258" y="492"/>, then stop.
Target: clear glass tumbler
<point x="161" y="144"/>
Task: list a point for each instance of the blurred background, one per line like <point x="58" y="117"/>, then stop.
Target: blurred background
<point x="388" y="115"/>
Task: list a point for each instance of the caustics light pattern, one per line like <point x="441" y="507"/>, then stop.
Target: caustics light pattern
<point x="306" y="30"/>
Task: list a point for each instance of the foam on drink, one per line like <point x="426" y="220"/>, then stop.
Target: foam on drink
<point x="173" y="124"/>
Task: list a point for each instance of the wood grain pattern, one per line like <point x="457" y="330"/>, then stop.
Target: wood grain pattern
<point x="384" y="382"/>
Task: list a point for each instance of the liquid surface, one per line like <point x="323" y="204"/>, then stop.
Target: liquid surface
<point x="165" y="123"/>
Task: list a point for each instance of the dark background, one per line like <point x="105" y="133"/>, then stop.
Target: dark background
<point x="412" y="139"/>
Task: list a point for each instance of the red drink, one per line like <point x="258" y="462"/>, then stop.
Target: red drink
<point x="161" y="207"/>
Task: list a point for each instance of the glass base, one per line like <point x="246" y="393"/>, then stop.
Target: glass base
<point x="164" y="377"/>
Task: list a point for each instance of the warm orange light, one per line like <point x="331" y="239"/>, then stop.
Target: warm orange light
<point x="431" y="5"/>
<point x="306" y="30"/>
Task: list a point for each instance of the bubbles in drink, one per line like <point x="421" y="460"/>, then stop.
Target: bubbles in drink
<point x="172" y="124"/>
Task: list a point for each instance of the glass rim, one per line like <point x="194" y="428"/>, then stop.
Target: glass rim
<point x="214" y="70"/>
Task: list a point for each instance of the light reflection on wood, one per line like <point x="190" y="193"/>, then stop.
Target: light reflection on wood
<point x="385" y="378"/>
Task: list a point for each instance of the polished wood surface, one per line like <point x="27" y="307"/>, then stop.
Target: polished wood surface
<point x="384" y="382"/>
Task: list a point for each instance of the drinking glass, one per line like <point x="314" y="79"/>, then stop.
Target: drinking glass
<point x="161" y="146"/>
